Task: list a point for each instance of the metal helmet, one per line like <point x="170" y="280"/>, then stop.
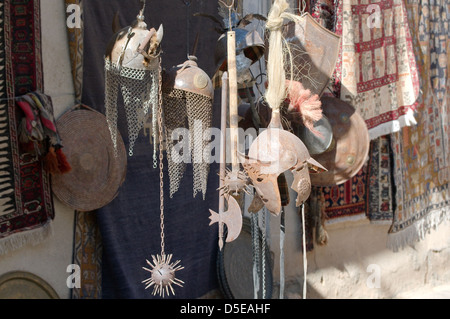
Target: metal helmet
<point x="273" y="152"/>
<point x="135" y="46"/>
<point x="187" y="101"/>
<point x="132" y="67"/>
<point x="188" y="77"/>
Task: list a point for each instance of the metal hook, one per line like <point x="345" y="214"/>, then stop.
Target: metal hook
<point x="141" y="12"/>
<point x="187" y="3"/>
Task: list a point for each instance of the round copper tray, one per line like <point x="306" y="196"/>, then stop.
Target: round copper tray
<point x="25" y="285"/>
<point x="350" y="145"/>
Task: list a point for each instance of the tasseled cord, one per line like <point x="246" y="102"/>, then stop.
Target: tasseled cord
<point x="308" y="105"/>
<point x="276" y="76"/>
<point x="55" y="162"/>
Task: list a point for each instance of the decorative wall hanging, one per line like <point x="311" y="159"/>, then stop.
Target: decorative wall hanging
<point x="421" y="154"/>
<point x="97" y="172"/>
<point x="26" y="203"/>
<point x="187" y="100"/>
<point x="131" y="68"/>
<point x="376" y="71"/>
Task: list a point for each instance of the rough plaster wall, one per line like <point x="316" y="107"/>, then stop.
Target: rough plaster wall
<point x="341" y="269"/>
<point x="50" y="258"/>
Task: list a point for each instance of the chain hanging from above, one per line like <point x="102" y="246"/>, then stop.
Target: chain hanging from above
<point x="162" y="269"/>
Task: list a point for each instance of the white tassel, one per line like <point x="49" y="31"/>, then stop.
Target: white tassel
<point x="276" y="75"/>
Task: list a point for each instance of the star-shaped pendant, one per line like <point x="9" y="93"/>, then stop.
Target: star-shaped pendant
<point x="163" y="275"/>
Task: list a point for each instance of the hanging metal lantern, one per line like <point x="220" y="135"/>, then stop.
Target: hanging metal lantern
<point x="132" y="68"/>
<point x="187" y="100"/>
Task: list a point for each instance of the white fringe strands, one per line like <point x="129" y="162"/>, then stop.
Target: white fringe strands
<point x="418" y="230"/>
<point x="276" y="75"/>
<point x="18" y="240"/>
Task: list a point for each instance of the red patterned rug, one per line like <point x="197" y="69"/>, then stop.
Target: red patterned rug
<point x="26" y="202"/>
<point x="376" y="70"/>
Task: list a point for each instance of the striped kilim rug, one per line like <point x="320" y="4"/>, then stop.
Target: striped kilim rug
<point x="422" y="153"/>
<point x="26" y="203"/>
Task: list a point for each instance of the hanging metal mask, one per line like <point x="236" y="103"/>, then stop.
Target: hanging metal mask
<point x="132" y="67"/>
<point x="187" y="101"/>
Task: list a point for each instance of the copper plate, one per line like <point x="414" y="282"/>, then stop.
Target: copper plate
<point x="25" y="285"/>
<point x="350" y="145"/>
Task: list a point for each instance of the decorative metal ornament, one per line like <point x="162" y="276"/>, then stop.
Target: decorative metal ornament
<point x="188" y="97"/>
<point x="163" y="271"/>
<point x="234" y="182"/>
<point x="131" y="68"/>
<point x="163" y="275"/>
<point x="232" y="218"/>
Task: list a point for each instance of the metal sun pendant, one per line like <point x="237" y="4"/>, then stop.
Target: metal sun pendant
<point x="163" y="275"/>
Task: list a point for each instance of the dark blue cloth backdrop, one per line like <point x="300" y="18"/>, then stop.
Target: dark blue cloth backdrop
<point x="130" y="225"/>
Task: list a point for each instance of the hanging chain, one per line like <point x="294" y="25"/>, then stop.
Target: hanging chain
<point x="161" y="157"/>
<point x="256" y="254"/>
<point x="263" y="226"/>
<point x="141" y="13"/>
